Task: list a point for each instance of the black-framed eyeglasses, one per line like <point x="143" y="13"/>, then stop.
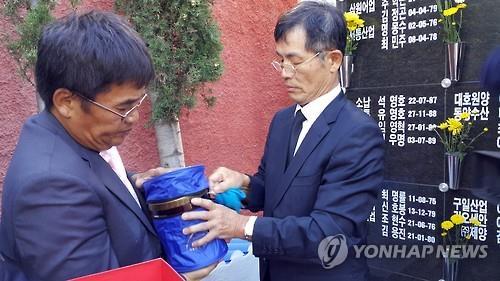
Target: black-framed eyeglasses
<point x="122" y="115"/>
<point x="289" y="68"/>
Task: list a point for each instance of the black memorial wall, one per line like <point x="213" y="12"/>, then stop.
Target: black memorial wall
<point x="398" y="69"/>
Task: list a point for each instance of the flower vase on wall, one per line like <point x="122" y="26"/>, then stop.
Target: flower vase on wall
<point x="454" y="60"/>
<point x="450" y="268"/>
<point x="454" y="163"/>
<point x="346" y="69"/>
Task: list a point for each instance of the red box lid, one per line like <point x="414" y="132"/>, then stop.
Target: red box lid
<point x="153" y="270"/>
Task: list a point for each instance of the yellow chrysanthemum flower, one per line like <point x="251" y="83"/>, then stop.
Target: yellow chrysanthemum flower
<point x="447" y="225"/>
<point x="350" y="16"/>
<point x="360" y="22"/>
<point x="457" y="219"/>
<point x="475" y="221"/>
<point x="449" y="12"/>
<point x="454" y="126"/>
<point x="464" y="115"/>
<point x="462" y="6"/>
<point x="352" y="26"/>
<point x="443" y="126"/>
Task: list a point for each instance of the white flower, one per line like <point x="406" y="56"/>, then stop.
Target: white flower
<point x="459" y="1"/>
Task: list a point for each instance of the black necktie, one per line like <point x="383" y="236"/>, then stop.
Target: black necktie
<point x="294" y="135"/>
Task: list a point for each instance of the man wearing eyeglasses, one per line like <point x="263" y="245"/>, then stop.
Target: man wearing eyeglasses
<point x="322" y="166"/>
<point x="65" y="211"/>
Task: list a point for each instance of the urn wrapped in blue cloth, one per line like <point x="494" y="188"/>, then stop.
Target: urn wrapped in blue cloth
<point x="168" y="196"/>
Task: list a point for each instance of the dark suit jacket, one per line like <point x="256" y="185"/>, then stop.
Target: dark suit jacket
<point x="65" y="213"/>
<point x="329" y="188"/>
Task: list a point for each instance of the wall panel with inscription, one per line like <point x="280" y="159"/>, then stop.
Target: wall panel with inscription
<point x="398" y="69"/>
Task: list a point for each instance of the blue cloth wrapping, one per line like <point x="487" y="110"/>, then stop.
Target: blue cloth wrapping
<point x="231" y="198"/>
<point x="175" y="184"/>
<point x="177" y="246"/>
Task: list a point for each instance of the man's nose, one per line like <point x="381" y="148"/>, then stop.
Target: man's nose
<point x="286" y="74"/>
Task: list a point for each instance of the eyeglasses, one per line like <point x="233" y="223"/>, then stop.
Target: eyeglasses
<point x="122" y="115"/>
<point x="289" y="68"/>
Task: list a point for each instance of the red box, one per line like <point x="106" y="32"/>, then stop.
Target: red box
<point x="153" y="270"/>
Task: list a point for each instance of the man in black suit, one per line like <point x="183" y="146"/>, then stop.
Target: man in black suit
<point x="65" y="211"/>
<point x="322" y="166"/>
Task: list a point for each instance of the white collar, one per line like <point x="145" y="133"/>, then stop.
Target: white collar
<point x="313" y="109"/>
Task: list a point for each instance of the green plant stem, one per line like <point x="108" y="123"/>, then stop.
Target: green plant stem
<point x="185" y="46"/>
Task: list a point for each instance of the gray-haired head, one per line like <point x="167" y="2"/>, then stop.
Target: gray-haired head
<point x="323" y="23"/>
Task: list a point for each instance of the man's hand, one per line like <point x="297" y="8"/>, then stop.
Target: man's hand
<point x="220" y="222"/>
<point x="140" y="178"/>
<point x="200" y="273"/>
<point x="223" y="179"/>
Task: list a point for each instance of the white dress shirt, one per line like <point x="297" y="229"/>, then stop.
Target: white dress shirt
<point x="115" y="161"/>
<point x="312" y="111"/>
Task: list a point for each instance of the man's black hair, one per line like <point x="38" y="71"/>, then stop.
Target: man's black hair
<point x="88" y="53"/>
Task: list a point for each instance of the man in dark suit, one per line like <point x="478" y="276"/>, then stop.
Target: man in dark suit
<point x="65" y="212"/>
<point x="322" y="166"/>
<point x="490" y="78"/>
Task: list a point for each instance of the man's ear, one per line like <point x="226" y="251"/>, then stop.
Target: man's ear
<point x="65" y="102"/>
<point x="334" y="58"/>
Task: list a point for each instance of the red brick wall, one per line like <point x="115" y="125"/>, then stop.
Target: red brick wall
<point x="233" y="132"/>
<point x="17" y="100"/>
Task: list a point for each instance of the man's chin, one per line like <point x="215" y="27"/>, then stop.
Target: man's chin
<point x="295" y="97"/>
<point x="116" y="141"/>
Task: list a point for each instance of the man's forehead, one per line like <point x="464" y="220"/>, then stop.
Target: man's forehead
<point x="287" y="50"/>
<point x="292" y="43"/>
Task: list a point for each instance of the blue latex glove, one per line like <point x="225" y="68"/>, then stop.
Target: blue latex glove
<point x="231" y="198"/>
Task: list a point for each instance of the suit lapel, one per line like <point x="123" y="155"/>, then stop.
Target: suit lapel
<point x="102" y="170"/>
<point x="314" y="136"/>
<point x="116" y="186"/>
<point x="286" y="128"/>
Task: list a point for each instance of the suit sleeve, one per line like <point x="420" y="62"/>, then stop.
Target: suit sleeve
<point x="348" y="190"/>
<point x="60" y="229"/>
